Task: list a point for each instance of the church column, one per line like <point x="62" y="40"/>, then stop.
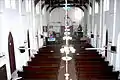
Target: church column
<point x="104" y="28"/>
<point x="101" y="23"/>
<point x="41" y="25"/>
<point x="88" y="21"/>
<point x="114" y="24"/>
<point x="37" y="18"/>
<point x="32" y="27"/>
<point x="93" y="15"/>
<point x="113" y="56"/>
<point x="93" y="20"/>
<point x="1" y="14"/>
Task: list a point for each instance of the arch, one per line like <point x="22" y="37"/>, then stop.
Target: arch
<point x="63" y="6"/>
<point x="42" y="6"/>
<point x="11" y="53"/>
<point x="73" y="14"/>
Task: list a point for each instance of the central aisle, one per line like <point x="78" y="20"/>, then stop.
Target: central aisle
<point x="71" y="70"/>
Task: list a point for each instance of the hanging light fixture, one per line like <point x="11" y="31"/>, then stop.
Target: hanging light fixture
<point x="66" y="33"/>
<point x="67" y="49"/>
<point x="67" y="38"/>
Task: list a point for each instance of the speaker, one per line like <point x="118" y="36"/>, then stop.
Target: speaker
<point x="22" y="50"/>
<point x="92" y="35"/>
<point x="41" y="36"/>
<point x="113" y="48"/>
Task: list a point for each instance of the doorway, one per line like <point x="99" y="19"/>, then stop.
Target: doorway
<point x="106" y="43"/>
<point x="28" y="39"/>
<point x="11" y="53"/>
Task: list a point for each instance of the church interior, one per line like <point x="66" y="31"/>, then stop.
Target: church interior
<point x="59" y="40"/>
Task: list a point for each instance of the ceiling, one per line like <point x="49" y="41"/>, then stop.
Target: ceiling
<point x="60" y="3"/>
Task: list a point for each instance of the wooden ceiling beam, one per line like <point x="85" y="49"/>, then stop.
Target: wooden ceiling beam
<point x="53" y="7"/>
<point x="60" y="2"/>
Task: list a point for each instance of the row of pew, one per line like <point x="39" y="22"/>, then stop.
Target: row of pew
<point x="45" y="65"/>
<point x="90" y="65"/>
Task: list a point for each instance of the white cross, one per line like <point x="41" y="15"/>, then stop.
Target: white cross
<point x="66" y="4"/>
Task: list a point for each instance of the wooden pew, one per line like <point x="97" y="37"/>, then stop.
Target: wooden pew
<point x="41" y="69"/>
<point x="40" y="76"/>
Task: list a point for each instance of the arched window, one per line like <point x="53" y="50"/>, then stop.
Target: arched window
<point x="43" y="11"/>
<point x="37" y="9"/>
<point x="13" y="4"/>
<point x="96" y="7"/>
<point x="10" y="4"/>
<point x="106" y="5"/>
<point x="30" y="5"/>
<point x="26" y="5"/>
<point x="78" y="14"/>
<point x="90" y="10"/>
<point x="7" y="4"/>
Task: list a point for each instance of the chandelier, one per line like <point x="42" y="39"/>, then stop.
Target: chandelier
<point x="67" y="48"/>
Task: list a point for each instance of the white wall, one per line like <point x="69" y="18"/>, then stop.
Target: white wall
<point x="109" y="23"/>
<point x="58" y="15"/>
<point x="11" y="23"/>
<point x="44" y="16"/>
<point x="117" y="36"/>
<point x="117" y="63"/>
<point x="11" y="20"/>
<point x="19" y="23"/>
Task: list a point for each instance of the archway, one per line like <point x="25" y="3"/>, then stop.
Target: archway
<point x="11" y="53"/>
<point x="28" y="39"/>
<point x="106" y="43"/>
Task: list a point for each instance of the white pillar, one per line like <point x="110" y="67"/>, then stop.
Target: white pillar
<point x="104" y="28"/>
<point x="93" y="15"/>
<point x="95" y="36"/>
<point x="88" y="21"/>
<point x="113" y="38"/>
<point x="117" y="64"/>
<point x="41" y="25"/>
<point x="32" y="28"/>
<point x="101" y="23"/>
<point x="114" y="23"/>
<point x="93" y="20"/>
